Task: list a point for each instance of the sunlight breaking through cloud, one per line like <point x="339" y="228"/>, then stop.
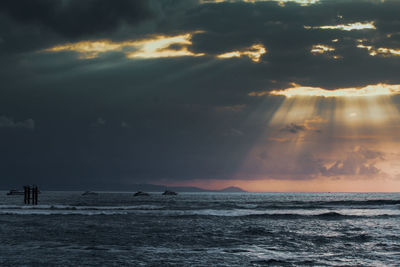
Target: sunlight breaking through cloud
<point x="378" y="51"/>
<point x="158" y="46"/>
<point x="326" y="50"/>
<point x="320" y="49"/>
<point x="89" y="49"/>
<point x="308" y="114"/>
<point x="356" y="26"/>
<point x="380" y="89"/>
<point x="254" y="52"/>
<point x="280" y="2"/>
<point x="305" y="120"/>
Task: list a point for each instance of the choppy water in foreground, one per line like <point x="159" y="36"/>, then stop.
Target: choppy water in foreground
<point x="205" y="229"/>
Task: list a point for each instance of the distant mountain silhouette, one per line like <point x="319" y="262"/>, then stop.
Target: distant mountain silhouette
<point x="162" y="188"/>
<point x="140" y="187"/>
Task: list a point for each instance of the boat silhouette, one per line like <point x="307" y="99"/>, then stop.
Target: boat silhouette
<point x="15" y="192"/>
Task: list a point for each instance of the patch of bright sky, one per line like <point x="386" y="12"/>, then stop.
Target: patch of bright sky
<point x="158" y="46"/>
<point x="254" y="52"/>
<point x="155" y="47"/>
<point x="320" y="49"/>
<point x="373" y="51"/>
<point x="324" y="49"/>
<point x="356" y="26"/>
<point x="340" y="119"/>
<point x="380" y="89"/>
<point x="370" y="105"/>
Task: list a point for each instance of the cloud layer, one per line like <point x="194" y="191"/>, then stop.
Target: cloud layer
<point x="122" y="92"/>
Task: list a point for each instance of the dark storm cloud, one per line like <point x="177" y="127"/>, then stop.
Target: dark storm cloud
<point x="114" y="120"/>
<point x="281" y="30"/>
<point x="76" y="18"/>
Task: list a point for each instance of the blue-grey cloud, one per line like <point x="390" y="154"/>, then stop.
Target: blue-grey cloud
<point x="7" y="122"/>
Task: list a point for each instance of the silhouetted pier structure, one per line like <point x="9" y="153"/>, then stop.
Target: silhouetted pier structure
<point x="31" y="194"/>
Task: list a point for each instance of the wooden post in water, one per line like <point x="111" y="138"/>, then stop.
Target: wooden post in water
<point x="26" y="194"/>
<point x="35" y="193"/>
<point x="31" y="193"/>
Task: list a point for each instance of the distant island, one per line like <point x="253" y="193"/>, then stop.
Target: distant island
<point x="161" y="188"/>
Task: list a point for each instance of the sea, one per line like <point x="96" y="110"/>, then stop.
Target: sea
<point x="201" y="229"/>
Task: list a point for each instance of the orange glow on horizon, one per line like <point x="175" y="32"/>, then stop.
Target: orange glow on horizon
<point x="312" y="185"/>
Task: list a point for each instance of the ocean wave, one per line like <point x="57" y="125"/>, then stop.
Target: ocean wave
<point x="310" y="205"/>
<point x="158" y="210"/>
<point x="366" y="202"/>
<point x="247" y="206"/>
<point x="326" y="215"/>
<point x="294" y="214"/>
<point x="314" y="204"/>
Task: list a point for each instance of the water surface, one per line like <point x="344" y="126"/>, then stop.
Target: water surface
<point x="201" y="229"/>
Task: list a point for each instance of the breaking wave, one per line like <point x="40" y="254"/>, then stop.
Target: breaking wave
<point x="155" y="210"/>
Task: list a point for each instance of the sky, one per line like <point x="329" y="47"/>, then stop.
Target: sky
<point x="274" y="96"/>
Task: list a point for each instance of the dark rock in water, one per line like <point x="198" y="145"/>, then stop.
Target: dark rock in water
<point x="169" y="193"/>
<point x="89" y="193"/>
<point x="140" y="193"/>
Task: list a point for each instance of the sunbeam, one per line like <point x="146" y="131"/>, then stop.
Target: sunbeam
<point x="327" y="134"/>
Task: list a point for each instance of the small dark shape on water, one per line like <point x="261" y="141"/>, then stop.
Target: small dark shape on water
<point x="169" y="193"/>
<point x="89" y="193"/>
<point x="331" y="214"/>
<point x="14" y="192"/>
<point x="140" y="193"/>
